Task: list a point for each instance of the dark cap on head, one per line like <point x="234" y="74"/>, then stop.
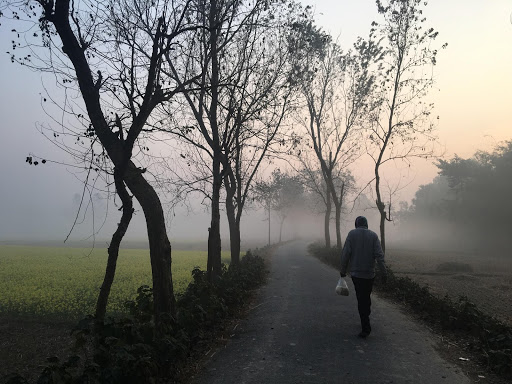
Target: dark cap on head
<point x="361" y="222"/>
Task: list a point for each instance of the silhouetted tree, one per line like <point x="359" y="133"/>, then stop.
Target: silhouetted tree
<point x="266" y="192"/>
<point x="113" y="53"/>
<point x="402" y="126"/>
<point x="312" y="178"/>
<point x="237" y="107"/>
<point x="320" y="197"/>
<point x="467" y="206"/>
<point x="481" y="187"/>
<point x="289" y="196"/>
<point x="337" y="87"/>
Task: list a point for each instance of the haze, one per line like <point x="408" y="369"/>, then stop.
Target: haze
<point x="473" y="99"/>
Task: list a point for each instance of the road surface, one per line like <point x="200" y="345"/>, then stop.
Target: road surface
<point x="300" y="331"/>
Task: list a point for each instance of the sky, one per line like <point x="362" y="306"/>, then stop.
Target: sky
<point x="472" y="96"/>
<point x="473" y="89"/>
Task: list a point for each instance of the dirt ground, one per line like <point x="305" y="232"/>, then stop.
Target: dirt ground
<point x="485" y="280"/>
<point x="26" y="343"/>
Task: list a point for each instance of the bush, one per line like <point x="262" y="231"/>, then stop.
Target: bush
<point x="130" y="349"/>
<point x="490" y="339"/>
<point x="330" y="256"/>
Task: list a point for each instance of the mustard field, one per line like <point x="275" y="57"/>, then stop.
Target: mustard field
<point x="64" y="282"/>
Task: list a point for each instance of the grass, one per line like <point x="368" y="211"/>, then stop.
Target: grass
<point x="64" y="282"/>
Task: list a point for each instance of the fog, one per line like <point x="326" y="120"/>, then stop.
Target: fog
<point x="472" y="96"/>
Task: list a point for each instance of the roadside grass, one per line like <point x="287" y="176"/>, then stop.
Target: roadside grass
<point x="485" y="336"/>
<point x="64" y="282"/>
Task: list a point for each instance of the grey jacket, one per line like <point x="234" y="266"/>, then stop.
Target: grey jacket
<point x="362" y="248"/>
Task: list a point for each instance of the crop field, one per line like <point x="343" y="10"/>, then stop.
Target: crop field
<point x="64" y="282"/>
<point x="486" y="280"/>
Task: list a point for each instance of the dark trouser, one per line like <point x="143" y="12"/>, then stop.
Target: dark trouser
<point x="363" y="291"/>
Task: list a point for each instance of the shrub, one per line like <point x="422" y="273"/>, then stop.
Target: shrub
<point x="330" y="256"/>
<point x="490" y="339"/>
<point x="130" y="349"/>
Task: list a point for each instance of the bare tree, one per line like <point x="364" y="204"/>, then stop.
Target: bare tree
<point x="231" y="117"/>
<point x="256" y="105"/>
<point x="336" y="87"/>
<point x="266" y="193"/>
<point x="112" y="52"/>
<point x="289" y="196"/>
<point x="402" y="126"/>
<point x="312" y="178"/>
<point x="221" y="21"/>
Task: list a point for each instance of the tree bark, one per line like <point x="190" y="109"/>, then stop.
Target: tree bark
<point x="214" y="264"/>
<point x="233" y="218"/>
<point x="268" y="224"/>
<point x="382" y="230"/>
<point x="281" y="229"/>
<point x="331" y="189"/>
<point x="339" y="204"/>
<point x="327" y="221"/>
<point x="338" y="225"/>
<point x="382" y="209"/>
<point x="113" y="249"/>
<point x="118" y="151"/>
<point x="234" y="233"/>
<point x="234" y="227"/>
<point x="159" y="245"/>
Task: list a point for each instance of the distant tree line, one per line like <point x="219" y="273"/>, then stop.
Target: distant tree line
<point x="468" y="206"/>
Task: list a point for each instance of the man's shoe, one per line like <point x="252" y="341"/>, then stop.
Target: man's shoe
<point x="363" y="334"/>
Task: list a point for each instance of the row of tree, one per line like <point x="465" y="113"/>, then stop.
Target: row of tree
<point x="468" y="205"/>
<point x="229" y="84"/>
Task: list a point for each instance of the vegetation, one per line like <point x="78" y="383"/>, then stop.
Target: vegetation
<point x="489" y="339"/>
<point x="468" y="203"/>
<point x="64" y="282"/>
<point x="402" y="127"/>
<point x="128" y="350"/>
<point x="281" y="193"/>
<point x="336" y="89"/>
<point x="224" y="79"/>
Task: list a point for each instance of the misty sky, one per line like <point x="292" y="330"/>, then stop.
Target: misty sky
<point x="472" y="94"/>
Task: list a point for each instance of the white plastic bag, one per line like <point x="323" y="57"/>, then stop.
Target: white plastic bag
<point x="342" y="287"/>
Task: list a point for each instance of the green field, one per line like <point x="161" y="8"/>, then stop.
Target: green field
<point x="64" y="282"/>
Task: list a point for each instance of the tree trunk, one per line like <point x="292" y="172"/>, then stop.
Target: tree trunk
<point x="214" y="265"/>
<point x="159" y="245"/>
<point x="382" y="230"/>
<point x="382" y="209"/>
<point x="120" y="153"/>
<point x="327" y="221"/>
<point x="233" y="220"/>
<point x="281" y="229"/>
<point x="113" y="249"/>
<point x="234" y="231"/>
<point x="269" y="224"/>
<point x="338" y="224"/>
<point x="331" y="190"/>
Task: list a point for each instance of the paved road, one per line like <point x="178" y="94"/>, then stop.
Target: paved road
<point x="300" y="331"/>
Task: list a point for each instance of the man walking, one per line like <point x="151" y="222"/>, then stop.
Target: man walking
<point x="362" y="248"/>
